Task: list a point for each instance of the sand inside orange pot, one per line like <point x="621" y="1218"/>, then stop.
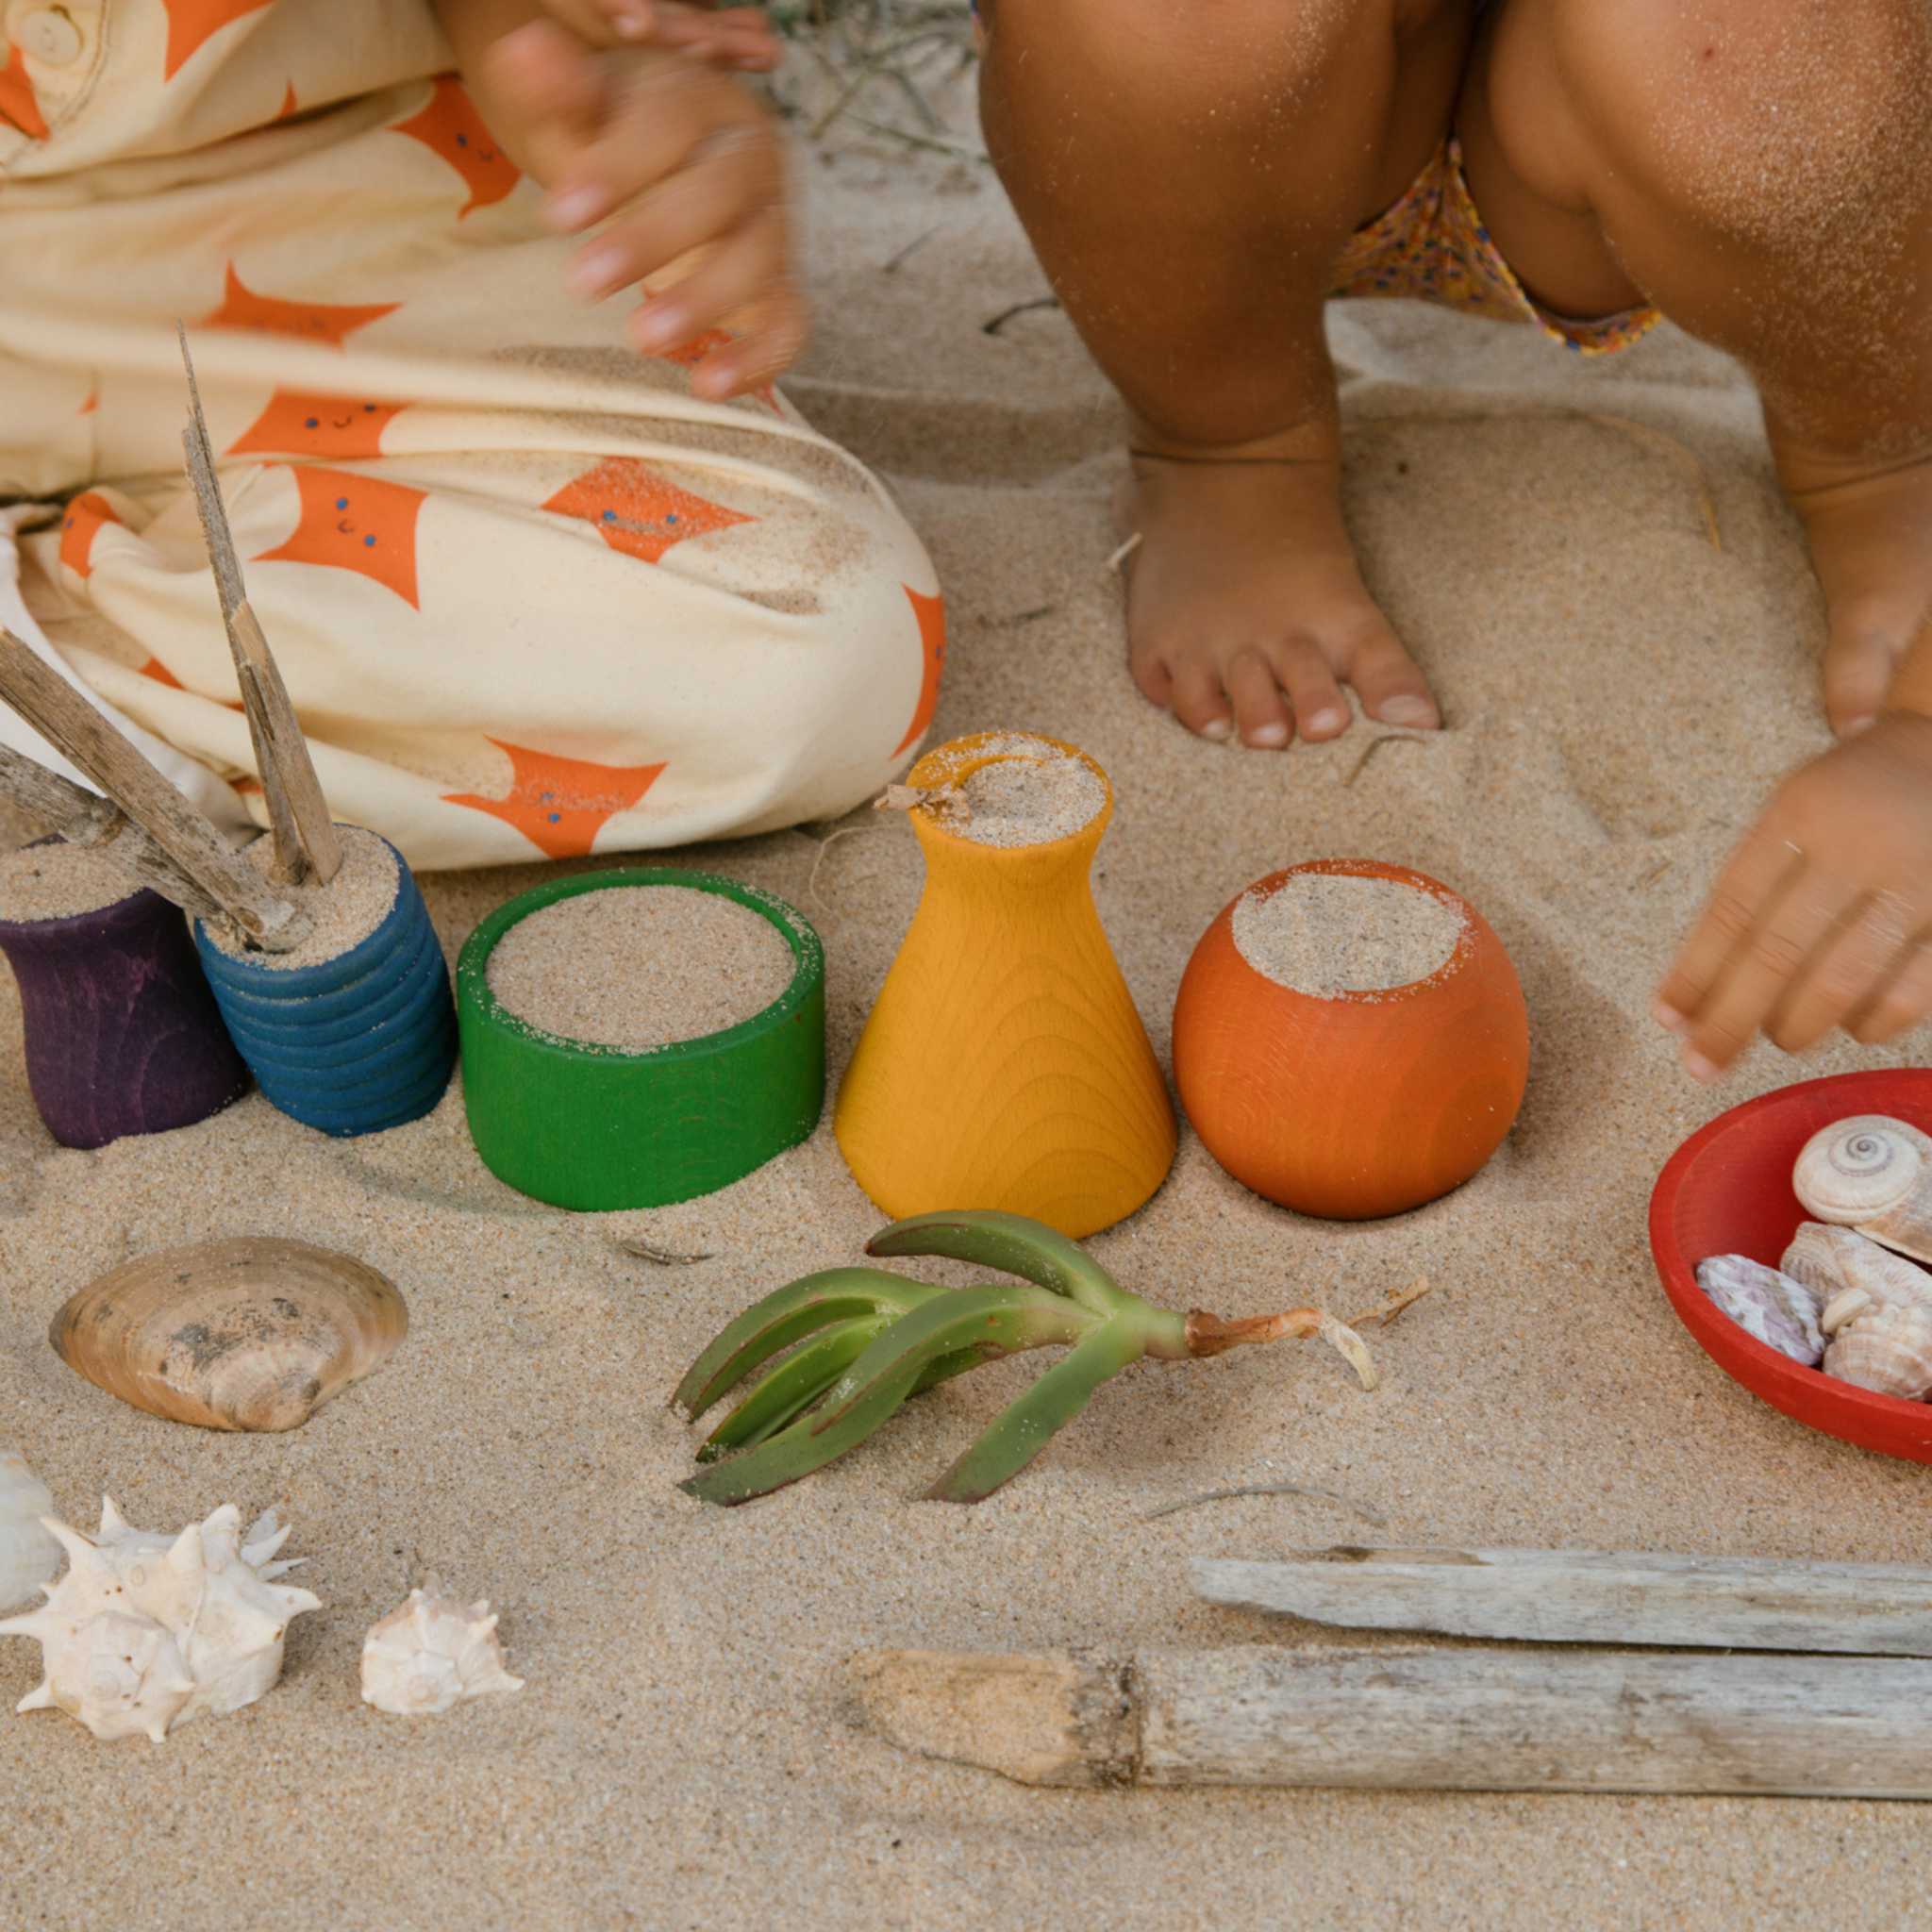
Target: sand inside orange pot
<point x="1327" y="933"/>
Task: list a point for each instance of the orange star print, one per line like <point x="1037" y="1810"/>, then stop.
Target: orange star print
<point x="192" y="21"/>
<point x="635" y="511"/>
<point x="161" y="674"/>
<point x="17" y="103"/>
<point x="561" y="805"/>
<point x="80" y="526"/>
<point x="298" y="424"/>
<point x="354" y="523"/>
<point x="451" y="127"/>
<point x="931" y="614"/>
<point x="321" y="322"/>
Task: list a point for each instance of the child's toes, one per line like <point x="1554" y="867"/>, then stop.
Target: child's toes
<point x="1320" y="709"/>
<point x="1262" y="715"/>
<point x="1860" y="660"/>
<point x="1199" y="701"/>
<point x="1391" y="684"/>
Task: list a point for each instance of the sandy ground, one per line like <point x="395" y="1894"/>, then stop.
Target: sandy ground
<point x="1620" y="693"/>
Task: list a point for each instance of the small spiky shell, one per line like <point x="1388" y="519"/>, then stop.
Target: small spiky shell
<point x="1851" y="1273"/>
<point x="431" y="1653"/>
<point x="1776" y="1310"/>
<point x="28" y="1555"/>
<point x="145" y="1632"/>
<point x="1885" y="1350"/>
<point x="1872" y="1172"/>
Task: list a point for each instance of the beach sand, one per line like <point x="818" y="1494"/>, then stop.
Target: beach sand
<point x="1620" y="693"/>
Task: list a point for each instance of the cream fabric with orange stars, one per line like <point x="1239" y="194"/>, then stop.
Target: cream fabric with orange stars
<point x="531" y="598"/>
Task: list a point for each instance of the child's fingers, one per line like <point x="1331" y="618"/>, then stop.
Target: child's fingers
<point x="737" y="172"/>
<point x="1902" y="1003"/>
<point x="558" y="91"/>
<point x="1759" y="872"/>
<point x="737" y="36"/>
<point x="1847" y="974"/>
<point x="1780" y="949"/>
<point x="740" y="271"/>
<point x="769" y="346"/>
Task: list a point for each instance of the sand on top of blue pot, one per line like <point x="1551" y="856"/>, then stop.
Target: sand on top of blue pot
<point x="353" y="1031"/>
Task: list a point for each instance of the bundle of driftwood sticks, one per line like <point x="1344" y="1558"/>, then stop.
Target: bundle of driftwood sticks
<point x="1804" y="1679"/>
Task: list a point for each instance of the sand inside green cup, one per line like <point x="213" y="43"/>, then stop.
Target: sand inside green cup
<point x="640" y="966"/>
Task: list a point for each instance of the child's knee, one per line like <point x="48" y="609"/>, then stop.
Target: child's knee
<point x="1767" y="116"/>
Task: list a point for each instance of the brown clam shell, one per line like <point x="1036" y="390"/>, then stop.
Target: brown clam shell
<point x="253" y="1333"/>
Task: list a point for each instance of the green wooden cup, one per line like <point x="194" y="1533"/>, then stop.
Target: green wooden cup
<point x="600" y="1127"/>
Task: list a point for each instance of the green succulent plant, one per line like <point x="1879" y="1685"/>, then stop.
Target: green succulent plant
<point x="864" y="1341"/>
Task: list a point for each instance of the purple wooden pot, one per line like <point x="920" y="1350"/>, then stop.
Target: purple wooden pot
<point x="122" y="1035"/>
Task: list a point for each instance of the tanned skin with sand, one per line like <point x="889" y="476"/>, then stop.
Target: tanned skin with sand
<point x="1759" y="170"/>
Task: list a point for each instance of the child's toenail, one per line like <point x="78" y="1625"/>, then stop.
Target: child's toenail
<point x="1269" y="735"/>
<point x="1668" y="1017"/>
<point x="1324" y="723"/>
<point x="1416" y="712"/>
<point x="1853" y="725"/>
<point x="1216" y="727"/>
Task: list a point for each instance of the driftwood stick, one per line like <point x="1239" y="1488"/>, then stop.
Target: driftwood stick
<point x="85" y="818"/>
<point x="74" y="728"/>
<point x="1426" y="1720"/>
<point x="304" y="835"/>
<point x="1588" y="1596"/>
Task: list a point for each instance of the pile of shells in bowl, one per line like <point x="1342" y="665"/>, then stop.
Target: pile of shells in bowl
<point x="1849" y="1295"/>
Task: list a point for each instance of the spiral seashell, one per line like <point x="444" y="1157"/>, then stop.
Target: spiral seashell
<point x="1851" y="1273"/>
<point x="1874" y="1174"/>
<point x="431" y="1654"/>
<point x="1768" y="1305"/>
<point x="1885" y="1350"/>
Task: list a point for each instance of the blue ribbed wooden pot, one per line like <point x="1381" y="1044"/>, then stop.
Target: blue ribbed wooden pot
<point x="357" y="1044"/>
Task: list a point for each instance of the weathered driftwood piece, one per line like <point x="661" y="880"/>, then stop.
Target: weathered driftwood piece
<point x="74" y="727"/>
<point x="305" y="836"/>
<point x="1589" y="1596"/>
<point x="1421" y="1719"/>
<point x="85" y="818"/>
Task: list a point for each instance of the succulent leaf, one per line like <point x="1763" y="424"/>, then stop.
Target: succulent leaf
<point x="1014" y="1246"/>
<point x="1025" y="1426"/>
<point x="789" y="1315"/>
<point x="792" y="1387"/>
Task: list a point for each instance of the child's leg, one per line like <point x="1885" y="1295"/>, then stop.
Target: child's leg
<point x="1761" y="170"/>
<point x="1189" y="175"/>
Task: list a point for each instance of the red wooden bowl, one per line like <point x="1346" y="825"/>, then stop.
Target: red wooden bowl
<point x="1727" y="1191"/>
<point x="1365" y="1103"/>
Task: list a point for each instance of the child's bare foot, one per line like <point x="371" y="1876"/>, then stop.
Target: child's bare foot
<point x="1872" y="543"/>
<point x="1245" y="611"/>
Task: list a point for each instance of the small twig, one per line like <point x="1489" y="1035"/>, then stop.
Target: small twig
<point x="825" y="845"/>
<point x="1393" y="1302"/>
<point x="1374" y="746"/>
<point x="1125" y="551"/>
<point x="911" y="249"/>
<point x="662" y="1257"/>
<point x="1019" y="308"/>
<point x="1361" y="1510"/>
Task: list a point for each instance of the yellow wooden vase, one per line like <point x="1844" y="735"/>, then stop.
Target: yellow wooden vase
<point x="1004" y="1066"/>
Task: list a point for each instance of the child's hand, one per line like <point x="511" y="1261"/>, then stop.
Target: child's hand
<point x="1823" y="916"/>
<point x="674" y="159"/>
<point x="738" y="37"/>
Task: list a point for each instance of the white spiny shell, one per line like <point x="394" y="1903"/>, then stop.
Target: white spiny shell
<point x="28" y="1555"/>
<point x="430" y="1653"/>
<point x="1851" y="1273"/>
<point x="1885" y="1350"/>
<point x="1776" y="1310"/>
<point x="145" y="1632"/>
<point x="1870" y="1172"/>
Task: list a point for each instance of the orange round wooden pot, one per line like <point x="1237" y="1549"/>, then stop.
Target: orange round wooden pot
<point x="1362" y="1105"/>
